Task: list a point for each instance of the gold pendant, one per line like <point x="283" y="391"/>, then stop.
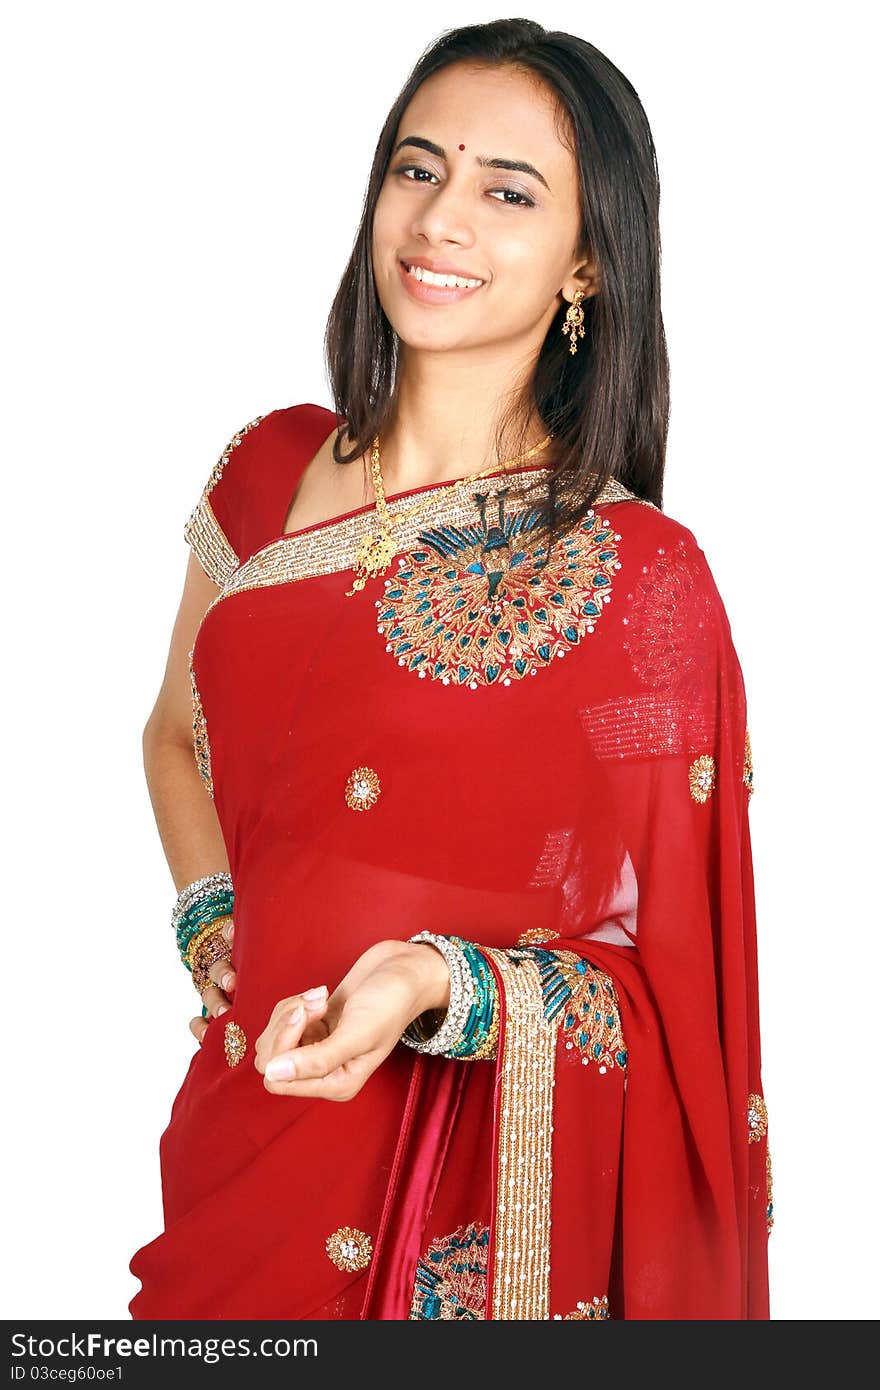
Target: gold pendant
<point x="373" y="558"/>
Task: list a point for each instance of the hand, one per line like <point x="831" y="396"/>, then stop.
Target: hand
<point x="353" y="1030"/>
<point x="216" y="996"/>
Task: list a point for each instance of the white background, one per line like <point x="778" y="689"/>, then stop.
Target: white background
<point x="183" y="182"/>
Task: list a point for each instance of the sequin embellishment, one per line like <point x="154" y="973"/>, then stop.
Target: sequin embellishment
<point x="701" y="777"/>
<point x="349" y="1249"/>
<point x="534" y="936"/>
<point x="757" y="1119"/>
<point x="362" y="789"/>
<point x="748" y="769"/>
<point x="587" y="1312"/>
<point x="473" y="605"/>
<point x="450" y="1278"/>
<point x="203" y="532"/>
<point x="234" y="1043"/>
<point x="584" y="1001"/>
<point x="201" y="747"/>
<point x="769" y="1192"/>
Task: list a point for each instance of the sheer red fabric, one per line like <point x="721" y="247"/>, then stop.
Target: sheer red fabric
<point x="580" y="787"/>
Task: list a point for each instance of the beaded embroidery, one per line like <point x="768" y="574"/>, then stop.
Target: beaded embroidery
<point x="748" y="770"/>
<point x="349" y="1248"/>
<point x="331" y="548"/>
<point x="701" y="777"/>
<point x="587" y="1312"/>
<point x="584" y="1001"/>
<point x="670" y="622"/>
<point x="201" y="747"/>
<point x="757" y="1118"/>
<point x="521" y="1265"/>
<point x="474" y="605"/>
<point x="234" y="1043"/>
<point x="769" y="1192"/>
<point x="450" y="1280"/>
<point x="362" y="789"/>
<point x="203" y="531"/>
<point x="535" y="935"/>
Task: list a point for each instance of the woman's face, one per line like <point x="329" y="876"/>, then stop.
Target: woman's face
<point x="513" y="229"/>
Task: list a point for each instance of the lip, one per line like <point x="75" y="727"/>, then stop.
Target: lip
<point x="434" y="294"/>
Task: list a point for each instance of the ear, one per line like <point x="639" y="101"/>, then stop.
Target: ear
<point x="584" y="277"/>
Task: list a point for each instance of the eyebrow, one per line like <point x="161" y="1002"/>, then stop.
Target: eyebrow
<point x="495" y="163"/>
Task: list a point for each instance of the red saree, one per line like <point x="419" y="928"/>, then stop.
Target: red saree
<point x="557" y="769"/>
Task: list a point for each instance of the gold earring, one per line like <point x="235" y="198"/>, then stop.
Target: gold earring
<point x="574" y="320"/>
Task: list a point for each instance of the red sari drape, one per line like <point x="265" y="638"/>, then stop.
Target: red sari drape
<point x="558" y="769"/>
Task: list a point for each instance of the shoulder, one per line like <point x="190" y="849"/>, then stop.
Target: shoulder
<point x="239" y="495"/>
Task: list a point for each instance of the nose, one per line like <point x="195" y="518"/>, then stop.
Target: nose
<point x="445" y="216"/>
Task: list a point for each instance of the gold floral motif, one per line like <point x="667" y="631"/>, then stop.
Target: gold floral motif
<point x="234" y="1043"/>
<point x="349" y="1248"/>
<point x="597" y="1310"/>
<point x="769" y="1192"/>
<point x="701" y="776"/>
<point x="535" y="936"/>
<point x="203" y="532"/>
<point x="201" y="746"/>
<point x="362" y="789"/>
<point x="757" y="1116"/>
<point x="521" y="1266"/>
<point x="748" y="769"/>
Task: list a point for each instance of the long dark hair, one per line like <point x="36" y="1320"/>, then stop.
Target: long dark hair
<point x="607" y="405"/>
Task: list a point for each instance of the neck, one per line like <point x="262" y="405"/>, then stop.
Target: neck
<point x="444" y="421"/>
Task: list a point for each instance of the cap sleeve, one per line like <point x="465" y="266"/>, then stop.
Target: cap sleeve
<point x="213" y="530"/>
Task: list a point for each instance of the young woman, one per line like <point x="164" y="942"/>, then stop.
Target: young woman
<point x="450" y="673"/>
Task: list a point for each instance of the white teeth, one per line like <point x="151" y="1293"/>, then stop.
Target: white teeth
<point x="444" y="281"/>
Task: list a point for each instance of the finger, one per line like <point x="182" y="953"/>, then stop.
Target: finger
<point x="215" y="1000"/>
<point x="223" y="975"/>
<point x="288" y="1033"/>
<point x="319" y="1059"/>
<point x="198" y="1026"/>
<point x="341" y="1084"/>
<point x="228" y="930"/>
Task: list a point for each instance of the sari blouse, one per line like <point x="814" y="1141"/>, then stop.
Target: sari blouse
<point x="548" y="758"/>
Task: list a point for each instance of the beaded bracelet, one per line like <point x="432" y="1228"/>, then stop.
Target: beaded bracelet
<point x="469" y="1031"/>
<point x="461" y="995"/>
<point x="196" y="921"/>
<point x="210" y="883"/>
<point x="479" y="1036"/>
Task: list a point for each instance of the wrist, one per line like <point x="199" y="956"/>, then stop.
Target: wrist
<point x="432" y="974"/>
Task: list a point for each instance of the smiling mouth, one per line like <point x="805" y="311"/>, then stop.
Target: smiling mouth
<point x="441" y="281"/>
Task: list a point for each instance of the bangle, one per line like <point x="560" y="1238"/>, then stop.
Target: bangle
<point x="479" y="1036"/>
<point x="211" y="883"/>
<point x="461" y="995"/>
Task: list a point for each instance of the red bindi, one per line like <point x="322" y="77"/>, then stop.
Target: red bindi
<point x="461" y="147"/>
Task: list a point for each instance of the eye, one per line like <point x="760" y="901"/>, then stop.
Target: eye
<point x="524" y="200"/>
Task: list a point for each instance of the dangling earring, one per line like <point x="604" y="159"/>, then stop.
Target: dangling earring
<point x="574" y="320"/>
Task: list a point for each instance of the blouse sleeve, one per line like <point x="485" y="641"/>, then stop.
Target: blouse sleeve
<point x="213" y="530"/>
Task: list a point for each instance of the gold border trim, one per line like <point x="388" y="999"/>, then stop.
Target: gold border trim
<point x="206" y="537"/>
<point x="521" y="1257"/>
<point x="332" y="546"/>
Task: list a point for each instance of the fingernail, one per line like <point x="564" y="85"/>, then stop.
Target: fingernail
<point x="297" y="1015"/>
<point x="223" y="1009"/>
<point x="227" y="980"/>
<point x="280" y="1068"/>
<point x="317" y="993"/>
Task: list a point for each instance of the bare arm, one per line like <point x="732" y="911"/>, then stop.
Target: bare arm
<point x="185" y="814"/>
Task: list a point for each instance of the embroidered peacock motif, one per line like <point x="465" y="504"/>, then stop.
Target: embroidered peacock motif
<point x="476" y="605"/>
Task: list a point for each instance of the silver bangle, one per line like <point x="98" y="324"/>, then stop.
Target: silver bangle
<point x="461" y="998"/>
<point x="196" y="891"/>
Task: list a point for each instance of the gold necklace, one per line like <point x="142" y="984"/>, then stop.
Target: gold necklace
<point x="377" y="551"/>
